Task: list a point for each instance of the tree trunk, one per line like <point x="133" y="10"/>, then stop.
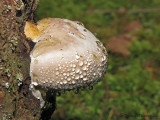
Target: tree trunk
<point x="16" y="100"/>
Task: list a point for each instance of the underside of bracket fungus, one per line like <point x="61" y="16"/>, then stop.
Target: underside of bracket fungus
<point x="66" y="55"/>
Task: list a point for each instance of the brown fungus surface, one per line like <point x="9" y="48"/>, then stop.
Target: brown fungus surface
<point x="66" y="56"/>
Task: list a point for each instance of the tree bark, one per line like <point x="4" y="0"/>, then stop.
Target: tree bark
<point x="16" y="100"/>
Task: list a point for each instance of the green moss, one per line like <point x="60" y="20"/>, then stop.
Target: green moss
<point x="134" y="80"/>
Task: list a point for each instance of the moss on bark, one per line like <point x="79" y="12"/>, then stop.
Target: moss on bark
<point x="16" y="101"/>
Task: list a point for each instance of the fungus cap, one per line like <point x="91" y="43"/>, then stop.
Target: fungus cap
<point x="66" y="56"/>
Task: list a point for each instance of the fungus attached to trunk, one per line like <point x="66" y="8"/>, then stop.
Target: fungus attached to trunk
<point x="66" y="56"/>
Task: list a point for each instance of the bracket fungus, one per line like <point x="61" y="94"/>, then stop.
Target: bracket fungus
<point x="66" y="56"/>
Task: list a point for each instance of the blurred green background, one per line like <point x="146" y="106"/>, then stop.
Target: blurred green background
<point x="130" y="31"/>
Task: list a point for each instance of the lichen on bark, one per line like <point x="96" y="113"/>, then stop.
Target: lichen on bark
<point x="16" y="100"/>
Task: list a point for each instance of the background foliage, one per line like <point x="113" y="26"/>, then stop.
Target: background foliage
<point x="131" y="87"/>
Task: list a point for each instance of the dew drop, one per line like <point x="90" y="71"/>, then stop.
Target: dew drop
<point x="71" y="73"/>
<point x="81" y="76"/>
<point x="70" y="65"/>
<point x="80" y="72"/>
<point x="77" y="76"/>
<point x="84" y="67"/>
<point x="103" y="58"/>
<point x="35" y="83"/>
<point x="84" y="73"/>
<point x="68" y="78"/>
<point x="77" y="56"/>
<point x="67" y="74"/>
<point x="85" y="62"/>
<point x="74" y="65"/>
<point x="80" y="63"/>
<point x="65" y="82"/>
<point x="30" y="86"/>
<point x="57" y="73"/>
<point x="76" y="91"/>
<point x="64" y="74"/>
<point x="89" y="63"/>
<point x="73" y="82"/>
<point x="91" y="87"/>
<point x="59" y="94"/>
<point x="38" y="97"/>
<point x="94" y="74"/>
<point x="85" y="78"/>
<point x="77" y="70"/>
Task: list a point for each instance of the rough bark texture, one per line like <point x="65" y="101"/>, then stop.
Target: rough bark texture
<point x="16" y="100"/>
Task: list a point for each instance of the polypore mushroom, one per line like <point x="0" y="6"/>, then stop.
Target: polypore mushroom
<point x="66" y="56"/>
